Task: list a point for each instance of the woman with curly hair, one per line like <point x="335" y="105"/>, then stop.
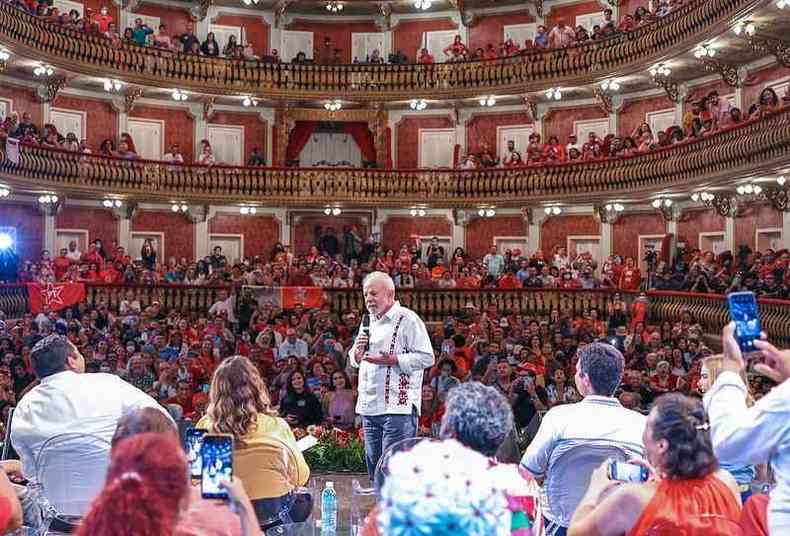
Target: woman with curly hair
<point x="239" y="405"/>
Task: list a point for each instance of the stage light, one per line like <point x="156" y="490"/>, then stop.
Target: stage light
<point x="6" y="242"/>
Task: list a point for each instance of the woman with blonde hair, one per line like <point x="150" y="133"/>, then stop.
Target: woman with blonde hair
<point x="266" y="456"/>
<point x="744" y="475"/>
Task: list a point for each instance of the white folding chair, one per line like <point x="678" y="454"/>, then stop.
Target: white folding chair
<point x="71" y="470"/>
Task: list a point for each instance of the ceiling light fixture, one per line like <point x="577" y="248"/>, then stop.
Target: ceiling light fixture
<point x="423" y="4"/>
<point x="418" y="104"/>
<point x="333" y="105"/>
<point x="744" y="26"/>
<point x="112" y="203"/>
<point x="4" y="55"/>
<point x="417" y="212"/>
<point x="614" y="207"/>
<point x="704" y="51"/>
<point x="250" y="2"/>
<point x="179" y="95"/>
<point x="552" y="211"/>
<point x="48" y="199"/>
<point x="780" y="180"/>
<point x="660" y="70"/>
<point x="658" y="203"/>
<point x="749" y="189"/>
<point x="334" y="6"/>
<point x="487" y="101"/>
<point x="248" y="211"/>
<point x="43" y="70"/>
<point x="112" y="86"/>
<point x="4" y="191"/>
<point x="179" y="207"/>
<point x="704" y="196"/>
<point x="249" y="101"/>
<point x="612" y="84"/>
<point x="554" y="94"/>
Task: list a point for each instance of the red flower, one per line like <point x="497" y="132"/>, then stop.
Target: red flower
<point x="318" y="431"/>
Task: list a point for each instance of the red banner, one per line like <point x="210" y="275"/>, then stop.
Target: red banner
<point x="55" y="296"/>
<point x="308" y="297"/>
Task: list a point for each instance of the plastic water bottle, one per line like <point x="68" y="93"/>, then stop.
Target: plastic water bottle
<point x="329" y="510"/>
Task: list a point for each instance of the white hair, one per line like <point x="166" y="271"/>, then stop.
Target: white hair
<point x="379" y="277"/>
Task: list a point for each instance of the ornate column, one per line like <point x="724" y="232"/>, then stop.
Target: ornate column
<point x="460" y="221"/>
<point x="266" y="116"/>
<point x="50" y="210"/>
<point x="200" y="216"/>
<point x="538" y="112"/>
<point x="378" y="127"/>
<point x="285" y="123"/>
<point x="124" y="215"/>
<point x="534" y="218"/>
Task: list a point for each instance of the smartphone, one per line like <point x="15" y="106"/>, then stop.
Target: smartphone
<point x="192" y="444"/>
<point x="217" y="465"/>
<point x="627" y="472"/>
<point x="746" y="315"/>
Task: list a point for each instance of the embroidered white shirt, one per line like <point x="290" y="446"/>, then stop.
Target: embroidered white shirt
<point x="394" y="390"/>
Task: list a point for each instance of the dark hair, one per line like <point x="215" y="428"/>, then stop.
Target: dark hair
<point x="682" y="421"/>
<point x="142" y="421"/>
<point x="50" y="355"/>
<point x="332" y="386"/>
<point x="478" y="416"/>
<point x="603" y="364"/>
<point x="289" y="386"/>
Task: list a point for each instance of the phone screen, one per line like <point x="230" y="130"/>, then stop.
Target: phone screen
<point x="192" y="444"/>
<point x="627" y="472"/>
<point x="217" y="465"/>
<point x="746" y="315"/>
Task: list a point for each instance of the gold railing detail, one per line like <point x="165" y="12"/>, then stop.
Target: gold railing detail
<point x="683" y="28"/>
<point x="754" y="146"/>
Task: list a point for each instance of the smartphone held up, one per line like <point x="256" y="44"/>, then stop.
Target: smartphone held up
<point x="746" y="315"/>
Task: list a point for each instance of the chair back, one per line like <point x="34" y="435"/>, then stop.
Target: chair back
<point x="697" y="525"/>
<point x="71" y="470"/>
<point x="568" y="477"/>
<point x="269" y="469"/>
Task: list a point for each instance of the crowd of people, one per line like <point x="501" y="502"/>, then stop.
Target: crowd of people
<point x="560" y="36"/>
<point x="296" y="364"/>
<point x="707" y="115"/>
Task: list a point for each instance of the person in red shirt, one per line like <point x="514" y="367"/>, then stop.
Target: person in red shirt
<point x="509" y="280"/>
<point x="183" y="398"/>
<point x="425" y="57"/>
<point x="61" y="264"/>
<point x="490" y="53"/>
<point x="101" y="20"/>
<point x="630" y="276"/>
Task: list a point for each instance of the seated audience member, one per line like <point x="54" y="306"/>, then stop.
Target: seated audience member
<point x="562" y="35"/>
<point x="425" y="57"/>
<point x="256" y="158"/>
<point x="340" y="402"/>
<point x="162" y="40"/>
<point x="201" y="516"/>
<point x="756" y="434"/>
<point x="457" y="51"/>
<point x="599" y="419"/>
<point x="67" y="400"/>
<point x="685" y="488"/>
<point x="300" y="407"/>
<point x="148" y="489"/>
<point x="239" y="405"/>
<point x="174" y="155"/>
<point x="477" y="416"/>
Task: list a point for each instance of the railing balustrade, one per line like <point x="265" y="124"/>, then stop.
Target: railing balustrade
<point x="755" y="145"/>
<point x="435" y="305"/>
<point x="586" y="63"/>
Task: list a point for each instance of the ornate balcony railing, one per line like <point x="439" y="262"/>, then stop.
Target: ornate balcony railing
<point x="757" y="145"/>
<point x="683" y="28"/>
<point x="709" y="310"/>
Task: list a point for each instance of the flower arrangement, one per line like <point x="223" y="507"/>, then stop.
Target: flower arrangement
<point x="336" y="450"/>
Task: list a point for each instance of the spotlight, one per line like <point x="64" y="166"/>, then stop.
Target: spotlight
<point x="6" y="242"/>
<point x="481" y="213"/>
<point x="487" y="101"/>
<point x="174" y="208"/>
<point x="244" y="210"/>
<point x="413" y="212"/>
<point x="107" y="203"/>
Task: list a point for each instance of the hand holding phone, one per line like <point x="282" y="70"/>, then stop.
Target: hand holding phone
<point x="217" y="465"/>
<point x="627" y="472"/>
<point x="746" y="315"/>
<point x="192" y="445"/>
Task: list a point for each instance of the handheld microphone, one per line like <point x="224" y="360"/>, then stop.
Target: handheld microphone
<point x="366" y="329"/>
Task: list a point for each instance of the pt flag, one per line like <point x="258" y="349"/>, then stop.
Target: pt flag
<point x="287" y="297"/>
<point x="56" y="296"/>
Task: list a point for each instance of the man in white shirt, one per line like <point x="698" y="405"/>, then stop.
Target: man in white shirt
<point x="757" y="434"/>
<point x="507" y="156"/>
<point x="292" y="346"/>
<point x="598" y="420"/>
<point x="391" y="358"/>
<point x="223" y="306"/>
<point x="174" y="155"/>
<point x="67" y="400"/>
<point x="74" y="254"/>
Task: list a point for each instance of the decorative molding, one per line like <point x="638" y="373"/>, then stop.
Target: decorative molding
<point x="725" y="205"/>
<point x="534" y="216"/>
<point x="208" y="107"/>
<point x="607" y="216"/>
<point x="126" y="211"/>
<point x="538" y="8"/>
<point x="384" y="21"/>
<point x="779" y="48"/>
<point x="132" y="94"/>
<point x="676" y="92"/>
<point x="279" y="12"/>
<point x="779" y="198"/>
<point x="52" y="209"/>
<point x="199" y="213"/>
<point x="48" y="92"/>
<point x="604" y="99"/>
<point x="467" y="17"/>
<point x="732" y="75"/>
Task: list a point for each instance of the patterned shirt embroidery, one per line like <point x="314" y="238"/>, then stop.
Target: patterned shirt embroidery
<point x="389" y="368"/>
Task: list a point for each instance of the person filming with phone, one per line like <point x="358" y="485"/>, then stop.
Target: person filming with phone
<point x="391" y="351"/>
<point x="685" y="493"/>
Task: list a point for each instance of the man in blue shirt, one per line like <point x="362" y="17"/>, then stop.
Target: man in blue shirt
<point x="141" y="32"/>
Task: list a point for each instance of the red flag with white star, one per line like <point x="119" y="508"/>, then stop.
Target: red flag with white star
<point x="55" y="296"/>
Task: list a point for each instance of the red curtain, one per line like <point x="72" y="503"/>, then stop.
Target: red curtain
<point x="299" y="137"/>
<point x="363" y="137"/>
